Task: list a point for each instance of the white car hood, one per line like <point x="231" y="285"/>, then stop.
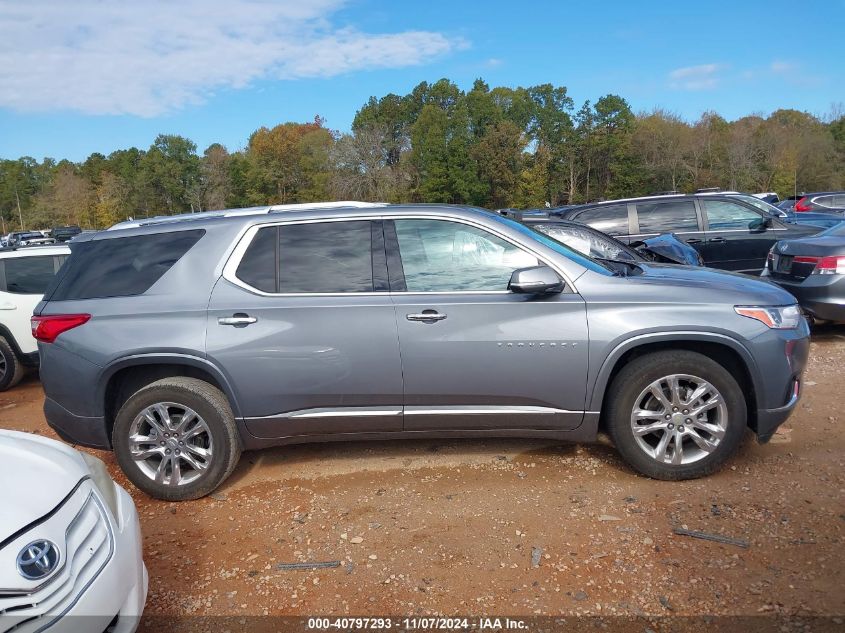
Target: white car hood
<point x="36" y="473"/>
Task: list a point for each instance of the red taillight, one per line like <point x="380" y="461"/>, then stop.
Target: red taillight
<point x="47" y="328"/>
<point x="830" y="266"/>
<point x="803" y="205"/>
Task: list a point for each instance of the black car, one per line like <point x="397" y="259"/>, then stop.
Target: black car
<point x="65" y="233"/>
<point x="813" y="270"/>
<point x="729" y="232"/>
<point x="589" y="241"/>
<point x="817" y="202"/>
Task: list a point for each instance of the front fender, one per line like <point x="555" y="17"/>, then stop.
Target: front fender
<point x="599" y="383"/>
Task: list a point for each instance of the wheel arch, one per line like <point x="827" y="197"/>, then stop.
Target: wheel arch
<point x="6" y="333"/>
<point x="726" y="351"/>
<point x="124" y="377"/>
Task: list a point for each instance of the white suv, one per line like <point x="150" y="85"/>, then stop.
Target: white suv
<point x="25" y="274"/>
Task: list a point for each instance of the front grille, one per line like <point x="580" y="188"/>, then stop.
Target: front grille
<point x="89" y="545"/>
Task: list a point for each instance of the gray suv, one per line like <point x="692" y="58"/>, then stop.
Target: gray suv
<point x="179" y="342"/>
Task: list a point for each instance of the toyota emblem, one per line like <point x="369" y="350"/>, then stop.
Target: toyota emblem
<point x="38" y="560"/>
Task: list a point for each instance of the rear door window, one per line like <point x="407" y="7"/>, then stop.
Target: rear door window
<point x="318" y="257"/>
<point x="120" y="267"/>
<point x="611" y="219"/>
<point x="667" y="216"/>
<point x="28" y="275"/>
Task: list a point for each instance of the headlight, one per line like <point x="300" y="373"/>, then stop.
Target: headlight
<point x="775" y="317"/>
<point x="104" y="483"/>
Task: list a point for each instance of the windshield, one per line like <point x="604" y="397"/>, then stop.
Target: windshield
<point x="558" y="247"/>
<point x="586" y="241"/>
<point x="761" y="204"/>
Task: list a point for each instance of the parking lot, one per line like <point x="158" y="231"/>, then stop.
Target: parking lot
<point x="506" y="526"/>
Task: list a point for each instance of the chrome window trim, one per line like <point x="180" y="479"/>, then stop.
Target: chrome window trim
<point x="232" y="257"/>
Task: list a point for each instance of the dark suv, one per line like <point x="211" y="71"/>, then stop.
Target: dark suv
<point x="178" y="342"/>
<point x="729" y="232"/>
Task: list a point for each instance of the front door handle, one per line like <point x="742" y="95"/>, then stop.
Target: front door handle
<point x="717" y="240"/>
<point x="426" y="316"/>
<point x="239" y="319"/>
<point x="693" y="240"/>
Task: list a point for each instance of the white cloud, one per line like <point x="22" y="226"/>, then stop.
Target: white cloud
<point x="148" y="57"/>
<point x="703" y="77"/>
<point x="783" y="68"/>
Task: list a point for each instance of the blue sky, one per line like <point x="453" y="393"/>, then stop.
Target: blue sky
<point x="85" y="76"/>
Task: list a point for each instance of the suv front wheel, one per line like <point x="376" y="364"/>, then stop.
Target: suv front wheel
<point x="675" y="414"/>
<point x="176" y="439"/>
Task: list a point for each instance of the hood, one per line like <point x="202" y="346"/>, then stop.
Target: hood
<point x="668" y="247"/>
<point x="713" y="286"/>
<point x="37" y="474"/>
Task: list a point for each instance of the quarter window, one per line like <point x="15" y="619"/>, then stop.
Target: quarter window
<point x="443" y="256"/>
<point x="665" y="217"/>
<point x="121" y="266"/>
<point x="611" y="219"/>
<point x="320" y="257"/>
<point x="724" y="216"/>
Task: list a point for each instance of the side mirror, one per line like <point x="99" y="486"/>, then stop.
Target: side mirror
<point x="537" y="280"/>
<point x="761" y="224"/>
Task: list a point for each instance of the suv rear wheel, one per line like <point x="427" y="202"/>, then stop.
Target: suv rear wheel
<point x="176" y="439"/>
<point x="11" y="370"/>
<point x="676" y="415"/>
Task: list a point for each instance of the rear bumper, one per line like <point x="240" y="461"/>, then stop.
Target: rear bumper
<point x="76" y="429"/>
<point x="823" y="296"/>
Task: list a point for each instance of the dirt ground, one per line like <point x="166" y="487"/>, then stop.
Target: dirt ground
<point x="506" y="527"/>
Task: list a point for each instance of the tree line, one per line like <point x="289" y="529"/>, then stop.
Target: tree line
<point x="500" y="147"/>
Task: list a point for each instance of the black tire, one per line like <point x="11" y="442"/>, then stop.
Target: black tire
<point x="211" y="405"/>
<point x="636" y="376"/>
<point x="11" y="369"/>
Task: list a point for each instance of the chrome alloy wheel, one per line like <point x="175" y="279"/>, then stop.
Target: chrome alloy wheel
<point x="679" y="419"/>
<point x="171" y="443"/>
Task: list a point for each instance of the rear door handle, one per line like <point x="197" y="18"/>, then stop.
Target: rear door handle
<point x="8" y="306"/>
<point x="426" y="316"/>
<point x="717" y="240"/>
<point x="693" y="240"/>
<point x="238" y="319"/>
